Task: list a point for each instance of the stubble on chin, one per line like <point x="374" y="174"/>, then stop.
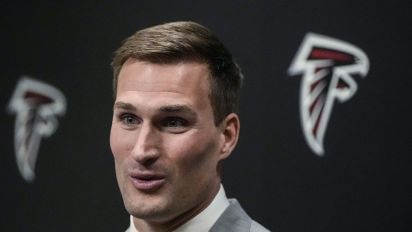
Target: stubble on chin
<point x="147" y="206"/>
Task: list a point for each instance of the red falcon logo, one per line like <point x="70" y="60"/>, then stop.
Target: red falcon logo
<point x="36" y="106"/>
<point x="328" y="66"/>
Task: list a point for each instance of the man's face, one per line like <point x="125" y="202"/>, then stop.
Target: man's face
<point x="164" y="140"/>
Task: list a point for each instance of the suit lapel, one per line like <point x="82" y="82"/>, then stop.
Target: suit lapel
<point x="233" y="219"/>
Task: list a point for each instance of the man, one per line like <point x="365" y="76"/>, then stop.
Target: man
<point x="176" y="96"/>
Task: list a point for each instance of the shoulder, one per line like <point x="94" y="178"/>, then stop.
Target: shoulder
<point x="235" y="219"/>
<point x="256" y="227"/>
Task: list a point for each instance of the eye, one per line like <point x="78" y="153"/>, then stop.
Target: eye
<point x="129" y="120"/>
<point x="174" y="122"/>
<point x="175" y="125"/>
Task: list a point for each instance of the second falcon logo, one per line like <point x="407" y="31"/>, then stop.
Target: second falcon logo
<point x="327" y="66"/>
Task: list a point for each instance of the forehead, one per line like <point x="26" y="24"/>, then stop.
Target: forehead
<point x="185" y="79"/>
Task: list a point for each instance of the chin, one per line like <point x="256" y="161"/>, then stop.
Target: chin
<point x="145" y="207"/>
<point x="150" y="214"/>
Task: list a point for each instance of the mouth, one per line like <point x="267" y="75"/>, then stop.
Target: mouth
<point x="147" y="182"/>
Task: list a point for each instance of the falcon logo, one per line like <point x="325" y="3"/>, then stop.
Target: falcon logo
<point x="328" y="66"/>
<point x="36" y="106"/>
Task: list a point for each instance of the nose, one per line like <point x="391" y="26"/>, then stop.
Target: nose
<point x="146" y="150"/>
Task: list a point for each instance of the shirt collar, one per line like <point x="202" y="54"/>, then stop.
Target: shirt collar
<point x="205" y="219"/>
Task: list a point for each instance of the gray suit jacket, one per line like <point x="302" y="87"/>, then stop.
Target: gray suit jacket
<point x="235" y="219"/>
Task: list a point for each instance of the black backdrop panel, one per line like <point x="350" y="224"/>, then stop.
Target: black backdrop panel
<point x="361" y="183"/>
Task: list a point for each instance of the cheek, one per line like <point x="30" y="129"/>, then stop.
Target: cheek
<point x="196" y="155"/>
<point x="121" y="142"/>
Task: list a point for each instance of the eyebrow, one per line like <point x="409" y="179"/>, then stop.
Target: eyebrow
<point x="165" y="109"/>
<point x="178" y="109"/>
<point x="124" y="106"/>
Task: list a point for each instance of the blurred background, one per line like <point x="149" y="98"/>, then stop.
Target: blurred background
<point x="361" y="183"/>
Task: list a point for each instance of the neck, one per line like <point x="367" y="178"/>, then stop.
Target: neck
<point x="172" y="224"/>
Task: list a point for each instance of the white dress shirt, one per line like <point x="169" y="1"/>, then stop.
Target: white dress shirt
<point x="204" y="220"/>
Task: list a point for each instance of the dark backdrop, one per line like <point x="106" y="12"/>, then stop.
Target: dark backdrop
<point x="362" y="183"/>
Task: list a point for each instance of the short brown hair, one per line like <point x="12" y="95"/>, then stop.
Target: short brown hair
<point x="179" y="41"/>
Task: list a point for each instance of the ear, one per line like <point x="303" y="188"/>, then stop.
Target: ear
<point x="230" y="129"/>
